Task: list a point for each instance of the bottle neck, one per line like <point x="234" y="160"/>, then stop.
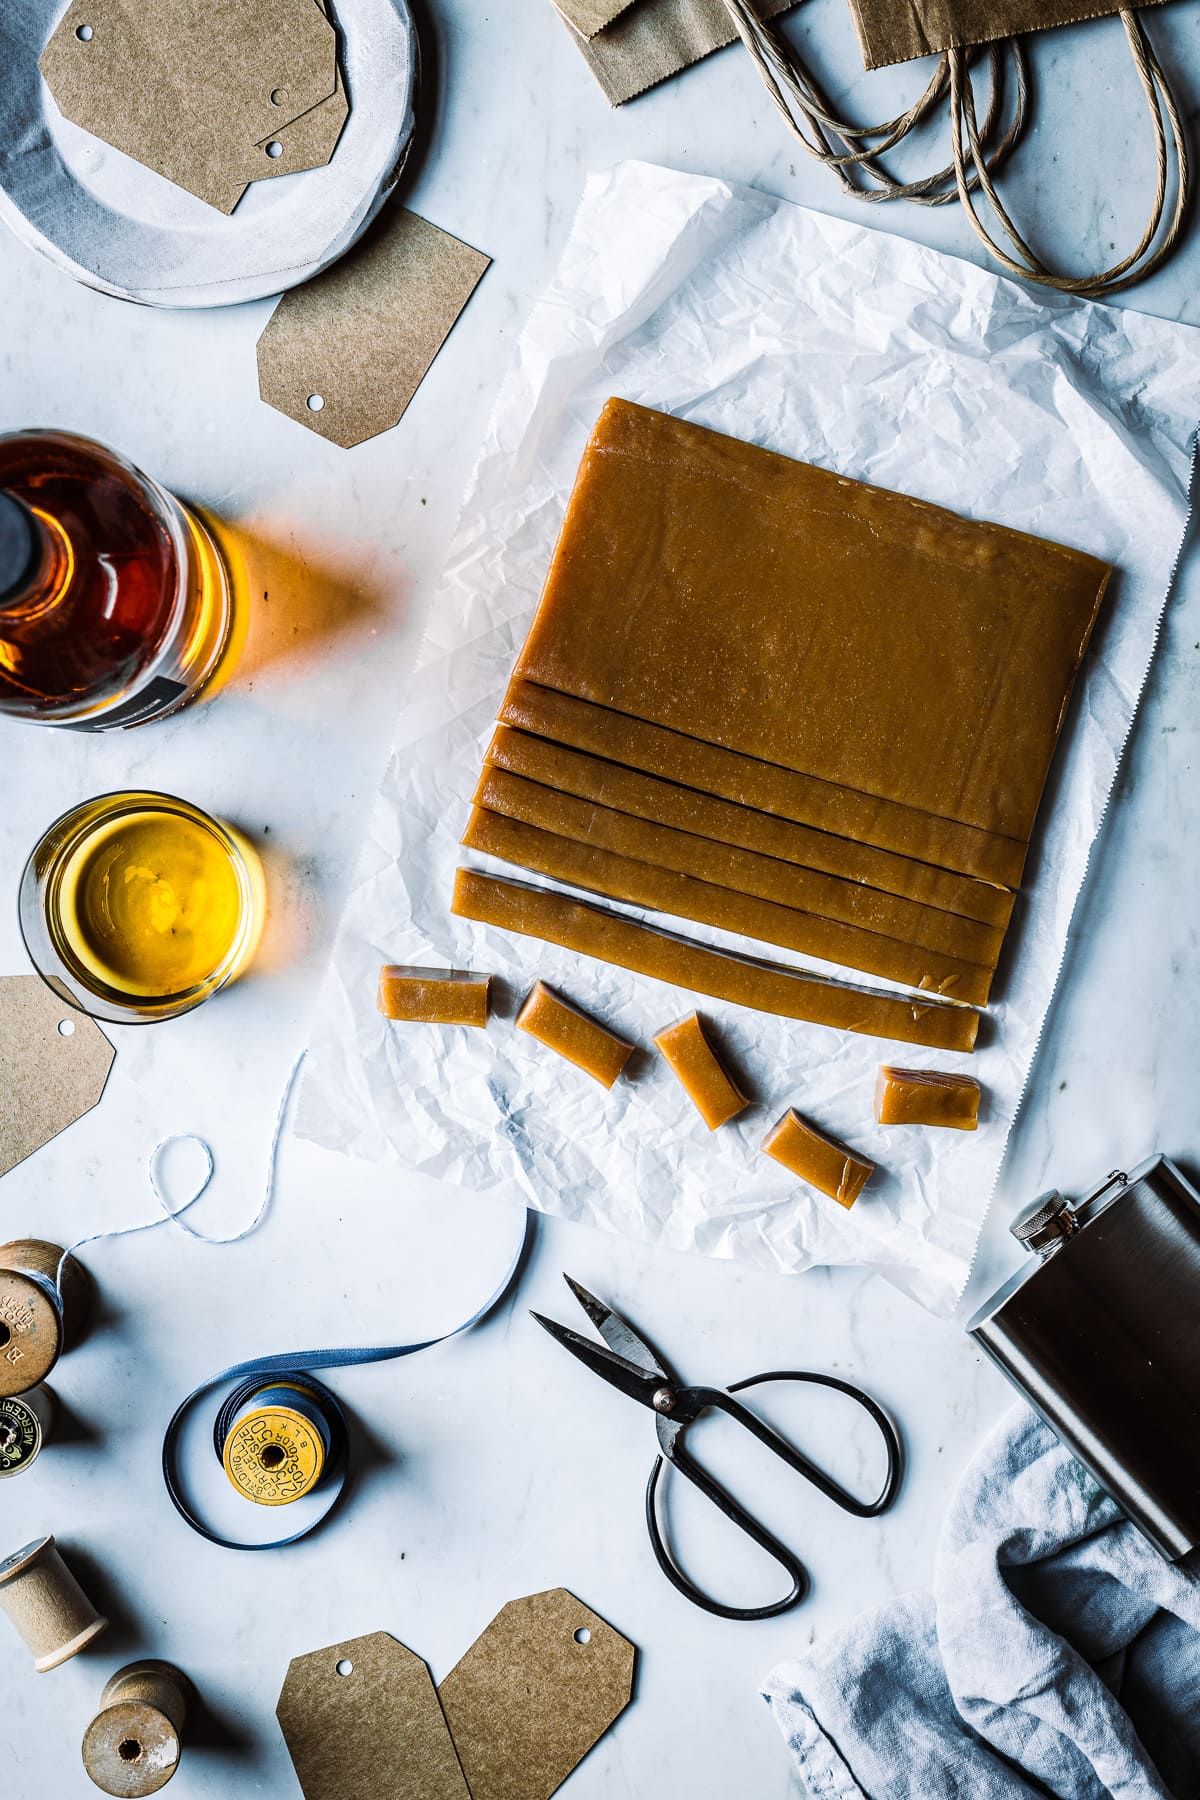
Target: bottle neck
<point x="34" y="558"/>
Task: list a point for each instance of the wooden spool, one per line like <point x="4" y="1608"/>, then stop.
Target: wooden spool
<point x="47" y="1604"/>
<point x="133" y="1745"/>
<point x="33" y="1331"/>
<point x="25" y="1424"/>
<point x="278" y="1445"/>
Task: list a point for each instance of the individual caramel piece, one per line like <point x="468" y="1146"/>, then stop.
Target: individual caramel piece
<point x="926" y="1097"/>
<point x="565" y="1028"/>
<point x="433" y="996"/>
<point x="821" y="1161"/>
<point x="761" y="986"/>
<point x="850" y="634"/>
<point x="746" y="872"/>
<point x="692" y="1059"/>
<point x="834" y="811"/>
<point x="641" y="884"/>
<point x="649" y="796"/>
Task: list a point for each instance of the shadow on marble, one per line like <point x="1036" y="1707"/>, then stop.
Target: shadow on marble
<point x="309" y="596"/>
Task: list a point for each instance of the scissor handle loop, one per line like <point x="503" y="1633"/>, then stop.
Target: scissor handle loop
<point x="696" y="1400"/>
<point x="713" y="1491"/>
<point x="796" y="1459"/>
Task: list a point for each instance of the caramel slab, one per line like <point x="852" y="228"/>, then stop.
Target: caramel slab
<point x="687" y="1050"/>
<point x="571" y="1032"/>
<point x="641" y="884"/>
<point x="433" y="996"/>
<point x="838" y="630"/>
<point x="819" y="1160"/>
<point x="648" y="796"/>
<point x="926" y="1097"/>
<point x="760" y="986"/>
<point x="858" y="820"/>
<point x="745" y="871"/>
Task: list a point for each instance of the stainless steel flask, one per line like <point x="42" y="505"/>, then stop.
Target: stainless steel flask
<point x="1102" y="1336"/>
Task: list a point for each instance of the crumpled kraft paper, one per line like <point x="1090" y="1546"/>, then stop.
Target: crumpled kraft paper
<point x="885" y="361"/>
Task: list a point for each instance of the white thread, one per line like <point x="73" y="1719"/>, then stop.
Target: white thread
<point x="174" y="1216"/>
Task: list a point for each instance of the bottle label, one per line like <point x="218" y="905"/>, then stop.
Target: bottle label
<point x="156" y="697"/>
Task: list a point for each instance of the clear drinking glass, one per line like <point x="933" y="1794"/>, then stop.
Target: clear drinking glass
<point x="138" y="906"/>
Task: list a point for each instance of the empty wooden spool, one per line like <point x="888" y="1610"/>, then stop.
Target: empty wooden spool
<point x="47" y="1604"/>
<point x="34" y="1330"/>
<point x="133" y="1745"/>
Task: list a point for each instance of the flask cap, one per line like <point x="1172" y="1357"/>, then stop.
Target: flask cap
<point x="1045" y="1223"/>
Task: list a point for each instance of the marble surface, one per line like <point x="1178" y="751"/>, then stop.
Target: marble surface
<point x="493" y="1467"/>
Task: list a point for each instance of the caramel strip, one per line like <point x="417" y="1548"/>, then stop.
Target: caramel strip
<point x="689" y="1055"/>
<point x="819" y="1160"/>
<point x="845" y="632"/>
<point x="749" y="782"/>
<point x="764" y="877"/>
<point x="568" y="1030"/>
<point x="433" y="996"/>
<point x="643" y="796"/>
<point x="760" y="986"/>
<point x="640" y="884"/>
<point x="926" y="1097"/>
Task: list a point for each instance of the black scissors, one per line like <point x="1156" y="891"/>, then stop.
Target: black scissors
<point x="631" y="1365"/>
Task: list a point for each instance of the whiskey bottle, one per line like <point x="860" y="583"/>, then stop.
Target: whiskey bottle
<point x="116" y="602"/>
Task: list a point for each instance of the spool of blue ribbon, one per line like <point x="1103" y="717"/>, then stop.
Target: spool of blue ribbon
<point x="296" y="1368"/>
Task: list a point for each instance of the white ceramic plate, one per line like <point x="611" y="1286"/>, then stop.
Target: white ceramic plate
<point x="123" y="229"/>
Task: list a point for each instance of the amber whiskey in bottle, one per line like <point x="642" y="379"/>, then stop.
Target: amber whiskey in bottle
<point x="115" y="599"/>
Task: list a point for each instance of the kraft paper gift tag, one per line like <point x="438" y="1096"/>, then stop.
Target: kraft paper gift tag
<point x="527" y="1702"/>
<point x="345" y="353"/>
<point x="48" y="1077"/>
<point x="892" y="31"/>
<point x="533" y="1694"/>
<point x="655" y="39"/>
<point x="199" y="90"/>
<point x="361" y="1721"/>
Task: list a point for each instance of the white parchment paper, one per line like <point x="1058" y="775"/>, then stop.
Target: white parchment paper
<point x="884" y="361"/>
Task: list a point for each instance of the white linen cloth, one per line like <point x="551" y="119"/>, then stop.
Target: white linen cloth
<point x="1057" y="1654"/>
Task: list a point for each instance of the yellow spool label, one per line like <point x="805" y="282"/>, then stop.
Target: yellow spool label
<point x="273" y="1456"/>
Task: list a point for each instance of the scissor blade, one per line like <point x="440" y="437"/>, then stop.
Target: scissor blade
<point x="618" y="1333"/>
<point x="639" y="1384"/>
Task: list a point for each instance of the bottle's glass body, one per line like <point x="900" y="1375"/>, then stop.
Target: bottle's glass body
<point x="126" y="611"/>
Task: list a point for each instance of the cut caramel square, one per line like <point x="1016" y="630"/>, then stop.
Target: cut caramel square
<point x="567" y="1029"/>
<point x="819" y="1160"/>
<point x="433" y="996"/>
<point x="689" y="1055"/>
<point x="926" y="1097"/>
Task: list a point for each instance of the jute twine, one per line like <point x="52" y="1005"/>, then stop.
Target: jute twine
<point x="852" y="152"/>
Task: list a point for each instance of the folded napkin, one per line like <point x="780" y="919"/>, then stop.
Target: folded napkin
<point x="1057" y="1654"/>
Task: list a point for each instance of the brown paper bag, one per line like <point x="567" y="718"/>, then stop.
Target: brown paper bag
<point x="892" y="31"/>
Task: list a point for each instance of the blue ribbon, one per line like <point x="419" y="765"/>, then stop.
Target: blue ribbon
<point x="298" y="1366"/>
